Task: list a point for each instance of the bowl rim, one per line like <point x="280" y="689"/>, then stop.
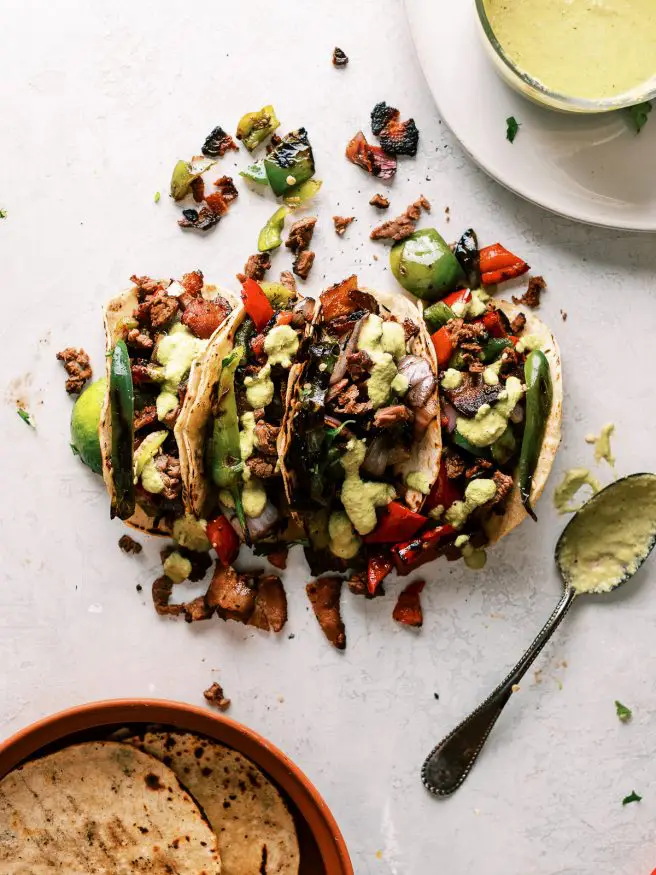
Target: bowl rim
<point x="28" y="741"/>
<point x="641" y="93"/>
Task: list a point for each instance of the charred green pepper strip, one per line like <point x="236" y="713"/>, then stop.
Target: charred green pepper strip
<point x="244" y="333"/>
<point x="437" y="315"/>
<point x="464" y="444"/>
<point x="493" y="348"/>
<point x="121" y="403"/>
<point x="256" y="173"/>
<point x="224" y="449"/>
<point x="468" y="255"/>
<point x="290" y="163"/>
<point x="539" y="398"/>
<point x="302" y="192"/>
<point x="271" y="235"/>
<point x="255" y="127"/>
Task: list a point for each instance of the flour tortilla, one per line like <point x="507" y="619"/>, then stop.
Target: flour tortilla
<point x="118" y="310"/>
<point x="425" y="454"/>
<point x="255" y="830"/>
<point x="105" y="808"/>
<point x="496" y="526"/>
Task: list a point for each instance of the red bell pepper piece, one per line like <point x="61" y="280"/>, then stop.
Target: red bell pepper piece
<point x="443" y="492"/>
<point x="456" y="297"/>
<point x="378" y="568"/>
<point x="284" y="317"/>
<point x="412" y="554"/>
<point x="443" y="346"/>
<point x="398" y="523"/>
<point x="408" y="607"/>
<point x="498" y="264"/>
<point x="256" y="303"/>
<point x="279" y="558"/>
<point x="224" y="539"/>
<point x="494" y="324"/>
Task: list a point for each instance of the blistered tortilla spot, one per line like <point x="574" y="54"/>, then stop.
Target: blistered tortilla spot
<point x="198" y="752"/>
<point x="153" y="781"/>
<point x="206" y="771"/>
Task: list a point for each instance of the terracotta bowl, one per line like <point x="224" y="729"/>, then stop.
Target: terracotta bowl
<point x="323" y="851"/>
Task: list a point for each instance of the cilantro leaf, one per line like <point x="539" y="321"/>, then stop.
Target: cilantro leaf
<point x="25" y="416"/>
<point x="639" y="115"/>
<point x="623" y="712"/>
<point x="512" y="128"/>
<point x="632" y="797"/>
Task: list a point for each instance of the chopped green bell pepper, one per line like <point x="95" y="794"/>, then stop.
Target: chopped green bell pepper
<point x="121" y="401"/>
<point x="301" y="192"/>
<point x="290" y="163"/>
<point x="256" y="173"/>
<point x="271" y="235"/>
<point x="424" y="265"/>
<point x="437" y="315"/>
<point x="255" y="127"/>
<point x="184" y="173"/>
<point x="493" y="348"/>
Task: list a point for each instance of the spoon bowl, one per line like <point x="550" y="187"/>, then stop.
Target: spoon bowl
<point x="601" y="548"/>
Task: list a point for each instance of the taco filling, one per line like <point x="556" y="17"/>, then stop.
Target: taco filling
<point x="496" y="396"/>
<point x="163" y="327"/>
<point x="248" y="404"/>
<point x="364" y="405"/>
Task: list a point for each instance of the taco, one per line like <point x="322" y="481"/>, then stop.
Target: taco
<point x="501" y="407"/>
<point x="236" y="418"/>
<point x="156" y="334"/>
<point x="362" y="441"/>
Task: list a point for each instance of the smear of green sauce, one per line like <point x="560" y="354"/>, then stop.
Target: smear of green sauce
<point x="574" y="480"/>
<point x="602" y="447"/>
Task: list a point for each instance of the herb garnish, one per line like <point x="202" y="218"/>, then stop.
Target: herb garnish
<point x="3" y="214"/>
<point x="639" y="115"/>
<point x="512" y="127"/>
<point x="623" y="712"/>
<point x="25" y="416"/>
<point x="632" y="797"/>
<point x="157" y="197"/>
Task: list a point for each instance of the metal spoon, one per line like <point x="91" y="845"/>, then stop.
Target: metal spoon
<point x="447" y="766"/>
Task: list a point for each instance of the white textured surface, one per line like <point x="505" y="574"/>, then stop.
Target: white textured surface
<point x="98" y="101"/>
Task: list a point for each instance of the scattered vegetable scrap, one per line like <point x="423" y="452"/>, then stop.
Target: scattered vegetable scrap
<point x="639" y="115"/>
<point x="324" y="597"/>
<point x="217" y="143"/>
<point x="341" y="223"/>
<point x="396" y="137"/>
<point x="77" y="365"/>
<point x="340" y="59"/>
<point x="404" y="225"/>
<point x="157" y="197"/>
<point x="380" y="202"/>
<point x="184" y="173"/>
<point x="371" y="158"/>
<point x="129" y="545"/>
<point x="290" y="164"/>
<point x="531" y="297"/>
<point x="255" y="127"/>
<point x="25" y="416"/>
<point x="215" y="696"/>
<point x="632" y="797"/>
<point x="512" y="128"/>
<point x="497" y="265"/>
<point x="408" y="607"/>
<point x="270" y="236"/>
<point x="3" y="214"/>
<point x="623" y="713"/>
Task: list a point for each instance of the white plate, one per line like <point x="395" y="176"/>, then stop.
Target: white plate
<point x="590" y="168"/>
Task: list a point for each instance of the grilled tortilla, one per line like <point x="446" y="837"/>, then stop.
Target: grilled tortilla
<point x="101" y="807"/>
<point x="255" y="830"/>
<point x="155" y="513"/>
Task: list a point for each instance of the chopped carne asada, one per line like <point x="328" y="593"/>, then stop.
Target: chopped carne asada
<point x="396" y="137"/>
<point x="380" y="202"/>
<point x="404" y="225"/>
<point x="198" y="189"/>
<point x="371" y="158"/>
<point x="77" y="366"/>
<point x="256" y="266"/>
<point x="340" y="59"/>
<point x="531" y="297"/>
<point x="303" y="264"/>
<point x="300" y="234"/>
<point x="518" y="323"/>
<point x="129" y="545"/>
<point x="217" y="143"/>
<point x="215" y="696"/>
<point x="257" y="601"/>
<point x="341" y="223"/>
<point x="324" y="597"/>
<point x="287" y="280"/>
<point x="199" y="220"/>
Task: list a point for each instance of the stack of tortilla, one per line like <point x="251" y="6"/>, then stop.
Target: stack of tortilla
<point x="158" y="803"/>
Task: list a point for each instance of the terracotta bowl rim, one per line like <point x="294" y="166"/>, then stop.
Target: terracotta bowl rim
<point x="311" y="805"/>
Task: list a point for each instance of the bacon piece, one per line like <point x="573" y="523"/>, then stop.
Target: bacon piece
<point x="371" y="158"/>
<point x="203" y="317"/>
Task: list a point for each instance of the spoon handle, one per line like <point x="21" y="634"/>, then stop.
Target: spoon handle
<point x="447" y="766"/>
